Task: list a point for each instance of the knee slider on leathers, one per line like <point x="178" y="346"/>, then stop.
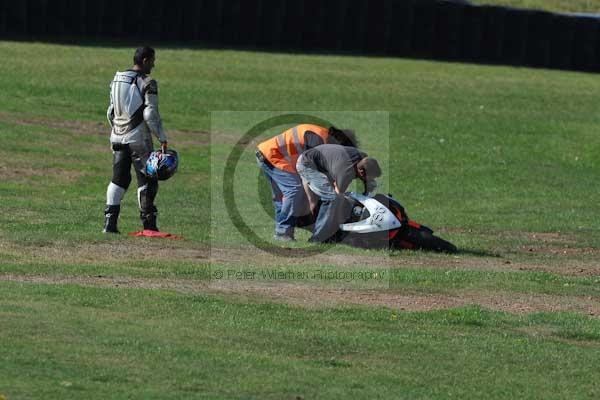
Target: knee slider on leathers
<point x="146" y="196"/>
<point x="122" y="169"/>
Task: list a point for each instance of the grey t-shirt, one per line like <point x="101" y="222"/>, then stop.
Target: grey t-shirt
<point x="336" y="161"/>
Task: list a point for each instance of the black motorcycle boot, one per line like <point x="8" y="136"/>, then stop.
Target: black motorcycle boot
<point x="111" y="216"/>
<point x="149" y="220"/>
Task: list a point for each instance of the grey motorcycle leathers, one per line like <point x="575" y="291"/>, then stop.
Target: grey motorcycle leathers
<point x="134" y="118"/>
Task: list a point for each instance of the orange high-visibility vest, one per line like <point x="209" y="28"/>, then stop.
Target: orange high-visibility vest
<point x="283" y="150"/>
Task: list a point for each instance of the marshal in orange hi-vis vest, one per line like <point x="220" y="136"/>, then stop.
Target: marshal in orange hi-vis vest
<point x="283" y="150"/>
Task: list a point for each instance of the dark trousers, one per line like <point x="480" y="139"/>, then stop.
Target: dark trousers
<point x="124" y="157"/>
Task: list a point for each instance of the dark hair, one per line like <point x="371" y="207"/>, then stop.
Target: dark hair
<point x="371" y="167"/>
<point x="345" y="137"/>
<point x="141" y="53"/>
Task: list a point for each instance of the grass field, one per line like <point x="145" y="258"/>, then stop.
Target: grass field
<point x="501" y="161"/>
<point x="571" y="6"/>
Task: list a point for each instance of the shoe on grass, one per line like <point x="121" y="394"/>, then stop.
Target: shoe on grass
<point x="283" y="238"/>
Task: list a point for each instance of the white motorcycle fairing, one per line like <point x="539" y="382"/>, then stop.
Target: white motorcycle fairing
<point x="380" y="217"/>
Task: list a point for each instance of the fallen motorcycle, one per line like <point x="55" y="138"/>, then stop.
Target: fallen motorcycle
<point x="382" y="222"/>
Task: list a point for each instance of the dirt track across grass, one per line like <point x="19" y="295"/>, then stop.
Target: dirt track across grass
<point x="562" y="264"/>
<point x="577" y="262"/>
<point x="318" y="297"/>
<point x="100" y="128"/>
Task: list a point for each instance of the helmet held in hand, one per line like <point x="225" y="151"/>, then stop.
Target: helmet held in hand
<point x="161" y="165"/>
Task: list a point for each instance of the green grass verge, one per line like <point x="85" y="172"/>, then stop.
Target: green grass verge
<point x="492" y="156"/>
<point x="72" y="342"/>
<point x="480" y="148"/>
<point x="587" y="6"/>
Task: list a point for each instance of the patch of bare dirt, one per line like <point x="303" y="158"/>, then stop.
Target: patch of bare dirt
<point x="142" y="250"/>
<point x="317" y="297"/>
<point x="539" y="238"/>
<point x="81" y="127"/>
<point x="94" y="253"/>
<point x="550" y="237"/>
<point x="560" y="251"/>
<point x="16" y="173"/>
<point x="528" y="303"/>
<point x="253" y="256"/>
<point x="181" y="138"/>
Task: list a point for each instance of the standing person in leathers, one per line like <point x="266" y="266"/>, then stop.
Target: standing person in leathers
<point x="134" y="118"/>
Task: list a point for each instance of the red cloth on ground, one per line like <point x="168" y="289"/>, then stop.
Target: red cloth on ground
<point x="155" y="234"/>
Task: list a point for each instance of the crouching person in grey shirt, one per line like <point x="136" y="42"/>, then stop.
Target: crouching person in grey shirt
<point x="326" y="173"/>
